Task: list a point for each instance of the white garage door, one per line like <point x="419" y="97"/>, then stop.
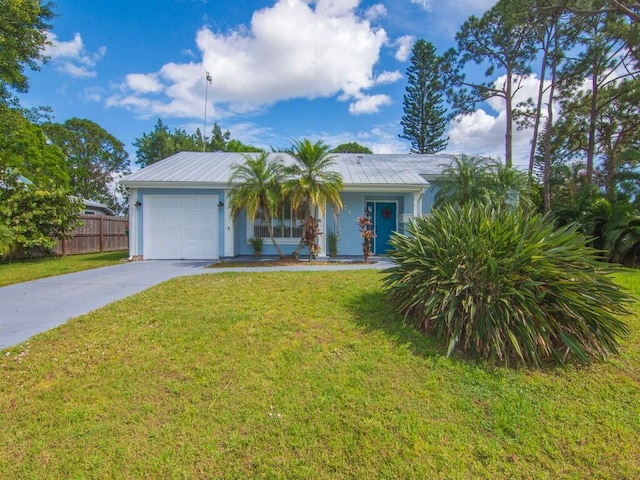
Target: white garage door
<point x="180" y="227"/>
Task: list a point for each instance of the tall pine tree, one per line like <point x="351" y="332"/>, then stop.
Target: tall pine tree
<point x="424" y="120"/>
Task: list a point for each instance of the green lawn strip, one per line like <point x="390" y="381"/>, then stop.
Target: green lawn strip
<point x="27" y="270"/>
<point x="299" y="375"/>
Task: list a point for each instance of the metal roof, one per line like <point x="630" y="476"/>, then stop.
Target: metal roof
<point x="214" y="168"/>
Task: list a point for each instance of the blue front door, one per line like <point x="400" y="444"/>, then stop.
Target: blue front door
<point x="384" y="223"/>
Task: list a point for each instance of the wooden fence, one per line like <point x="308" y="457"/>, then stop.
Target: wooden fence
<point x="98" y="233"/>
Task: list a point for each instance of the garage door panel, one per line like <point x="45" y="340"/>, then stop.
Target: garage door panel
<point x="180" y="227"/>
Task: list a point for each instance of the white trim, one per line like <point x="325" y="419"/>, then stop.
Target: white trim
<point x="374" y="189"/>
<point x="229" y="229"/>
<point x="396" y="229"/>
<point x="133" y="223"/>
<point x="177" y="185"/>
<point x="417" y="203"/>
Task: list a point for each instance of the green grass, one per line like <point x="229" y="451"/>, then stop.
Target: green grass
<point x="299" y="375"/>
<point x="27" y="270"/>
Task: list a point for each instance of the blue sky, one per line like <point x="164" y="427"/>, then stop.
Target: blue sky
<point x="282" y="69"/>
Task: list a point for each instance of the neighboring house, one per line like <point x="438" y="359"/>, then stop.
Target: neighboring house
<point x="95" y="208"/>
<point x="178" y="207"/>
<point x="90" y="207"/>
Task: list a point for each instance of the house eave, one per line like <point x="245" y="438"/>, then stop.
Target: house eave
<point x="175" y="185"/>
<point x="384" y="187"/>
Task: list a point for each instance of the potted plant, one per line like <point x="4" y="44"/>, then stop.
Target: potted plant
<point x="332" y="239"/>
<point x="256" y="243"/>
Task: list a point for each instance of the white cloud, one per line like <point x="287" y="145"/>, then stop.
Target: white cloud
<point x="404" y="44"/>
<point x="94" y="94"/>
<point x="375" y="12"/>
<point x="483" y="133"/>
<point x="57" y="49"/>
<point x="143" y="83"/>
<point x="76" y="71"/>
<point x="382" y="138"/>
<point x="475" y="6"/>
<point x="369" y="104"/>
<point x="290" y="50"/>
<point x="388" y="77"/>
<point x="72" y="58"/>
<point x="425" y="4"/>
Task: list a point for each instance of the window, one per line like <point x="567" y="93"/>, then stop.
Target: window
<point x="287" y="223"/>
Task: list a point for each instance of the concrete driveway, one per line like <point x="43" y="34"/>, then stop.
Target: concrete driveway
<point x="33" y="307"/>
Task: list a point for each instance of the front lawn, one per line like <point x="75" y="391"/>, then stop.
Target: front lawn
<point x="299" y="375"/>
<point x="27" y="270"/>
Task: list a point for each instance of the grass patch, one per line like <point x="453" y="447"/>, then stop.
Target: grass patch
<point x="27" y="270"/>
<point x="299" y="375"/>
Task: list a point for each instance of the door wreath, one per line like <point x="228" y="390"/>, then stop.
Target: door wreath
<point x="386" y="213"/>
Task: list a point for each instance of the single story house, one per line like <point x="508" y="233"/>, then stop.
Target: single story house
<point x="96" y="208"/>
<point x="179" y="208"/>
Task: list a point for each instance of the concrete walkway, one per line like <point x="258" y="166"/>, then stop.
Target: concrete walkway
<point x="33" y="307"/>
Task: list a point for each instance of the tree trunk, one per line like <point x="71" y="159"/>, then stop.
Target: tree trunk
<point x="593" y="112"/>
<point x="508" y="137"/>
<point x="271" y="236"/>
<point x="306" y="213"/>
<point x="546" y="174"/>
<point x="536" y="124"/>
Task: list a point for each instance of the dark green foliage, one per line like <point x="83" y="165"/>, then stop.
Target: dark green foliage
<point x="36" y="216"/>
<point x="351" y="147"/>
<point x="95" y="158"/>
<point x="23" y="147"/>
<point x="332" y="241"/>
<point x="475" y="179"/>
<point x="312" y="185"/>
<point x="7" y="240"/>
<point x="23" y="34"/>
<point x="256" y="186"/>
<point x="234" y="145"/>
<point x="505" y="286"/>
<point x="162" y="143"/>
<point x="424" y="120"/>
<point x="613" y="227"/>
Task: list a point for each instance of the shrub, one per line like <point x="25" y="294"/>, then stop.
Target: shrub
<point x="256" y="243"/>
<point x="7" y="240"/>
<point x="502" y="285"/>
<point x="37" y="216"/>
<point x="332" y="240"/>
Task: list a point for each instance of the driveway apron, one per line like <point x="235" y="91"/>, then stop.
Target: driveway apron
<point x="33" y="307"/>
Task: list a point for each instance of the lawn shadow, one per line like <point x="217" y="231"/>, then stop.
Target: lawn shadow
<point x="100" y="256"/>
<point x="370" y="310"/>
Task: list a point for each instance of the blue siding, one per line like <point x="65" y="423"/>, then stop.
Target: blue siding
<point x="344" y="224"/>
<point x="354" y="205"/>
<point x="428" y="199"/>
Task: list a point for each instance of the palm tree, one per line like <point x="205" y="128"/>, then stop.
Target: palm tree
<point x="509" y="186"/>
<point x="257" y="187"/>
<point x="312" y="185"/>
<point x="464" y="181"/>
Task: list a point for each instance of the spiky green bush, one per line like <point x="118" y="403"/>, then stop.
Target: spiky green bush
<point x="505" y="286"/>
